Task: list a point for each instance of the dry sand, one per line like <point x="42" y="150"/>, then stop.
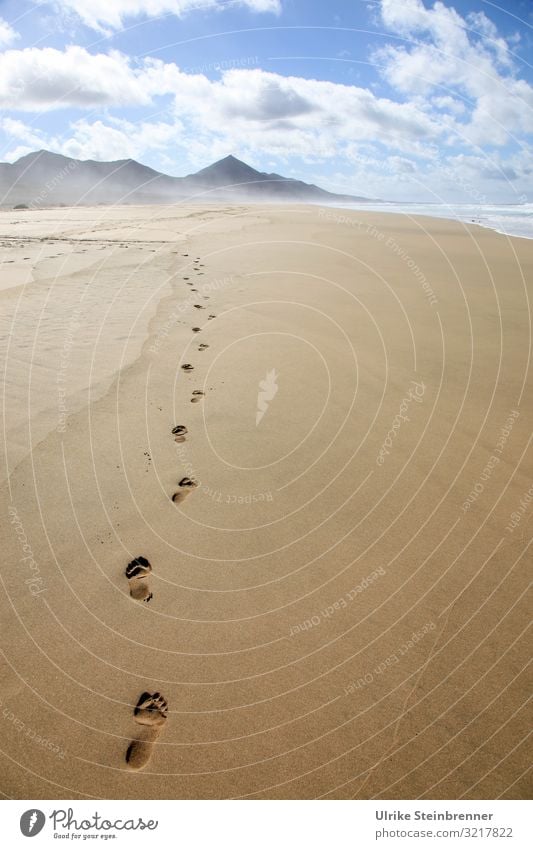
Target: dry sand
<point x="339" y="604"/>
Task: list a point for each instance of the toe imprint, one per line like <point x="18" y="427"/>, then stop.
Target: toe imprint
<point x="185" y="486"/>
<point x="179" y="430"/>
<point x="137" y="573"/>
<point x="151" y="712"/>
<point x="179" y="433"/>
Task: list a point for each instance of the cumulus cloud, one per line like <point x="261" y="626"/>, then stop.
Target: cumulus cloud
<point x="118" y="139"/>
<point x="306" y="116"/>
<point x="245" y="107"/>
<point x="467" y="55"/>
<point x="27" y="138"/>
<point x="7" y="33"/>
<point x="44" y="78"/>
<point x="101" y="15"/>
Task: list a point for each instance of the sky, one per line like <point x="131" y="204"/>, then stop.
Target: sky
<point x="393" y="99"/>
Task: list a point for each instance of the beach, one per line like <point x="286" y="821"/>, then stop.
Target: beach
<point x="338" y="535"/>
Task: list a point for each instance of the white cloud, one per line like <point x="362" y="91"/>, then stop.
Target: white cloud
<point x="446" y="27"/>
<point x="465" y="55"/>
<point x="401" y="165"/>
<point x="22" y="132"/>
<point x="449" y="104"/>
<point x="121" y="140"/>
<point x="103" y="14"/>
<point x="307" y="117"/>
<point x="247" y="108"/>
<point x="28" y="138"/>
<point x="36" y="78"/>
<point x="7" y="33"/>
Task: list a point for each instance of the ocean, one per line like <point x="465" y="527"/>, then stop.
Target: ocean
<point x="510" y="219"/>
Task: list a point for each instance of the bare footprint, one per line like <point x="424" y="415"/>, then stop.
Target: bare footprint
<point x="187" y="367"/>
<point x="179" y="432"/>
<point x="197" y="396"/>
<point x="185" y="487"/>
<point x="137" y="574"/>
<point x="151" y="712"/>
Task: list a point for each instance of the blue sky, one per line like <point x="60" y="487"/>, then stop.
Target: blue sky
<point x="398" y="99"/>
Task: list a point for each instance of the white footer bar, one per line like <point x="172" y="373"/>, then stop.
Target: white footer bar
<point x="267" y="825"/>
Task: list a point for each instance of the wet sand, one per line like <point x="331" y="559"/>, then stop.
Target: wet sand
<point x="338" y="531"/>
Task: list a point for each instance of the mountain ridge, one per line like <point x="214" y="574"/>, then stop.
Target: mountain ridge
<point x="44" y="178"/>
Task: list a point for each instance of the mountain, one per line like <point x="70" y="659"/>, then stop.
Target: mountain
<point x="225" y="172"/>
<point x="46" y="179"/>
<point x="236" y="178"/>
<point x="43" y="179"/>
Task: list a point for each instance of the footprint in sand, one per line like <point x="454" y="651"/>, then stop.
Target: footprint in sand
<point x="197" y="395"/>
<point x="196" y="329"/>
<point x="203" y="346"/>
<point x="199" y="307"/>
<point x="179" y="432"/>
<point x="187" y="367"/>
<point x="209" y="317"/>
<point x="137" y="573"/>
<point x="185" y="487"/>
<point x="186" y="278"/>
<point x="151" y="712"/>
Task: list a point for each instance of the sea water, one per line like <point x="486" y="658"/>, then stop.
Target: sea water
<point x="510" y="219"/>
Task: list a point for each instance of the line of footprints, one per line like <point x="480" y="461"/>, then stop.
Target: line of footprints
<point x="151" y="710"/>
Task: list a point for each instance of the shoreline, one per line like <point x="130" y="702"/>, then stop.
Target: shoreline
<point x="413" y="216"/>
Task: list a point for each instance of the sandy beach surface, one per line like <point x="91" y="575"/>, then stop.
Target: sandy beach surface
<point x="339" y="588"/>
